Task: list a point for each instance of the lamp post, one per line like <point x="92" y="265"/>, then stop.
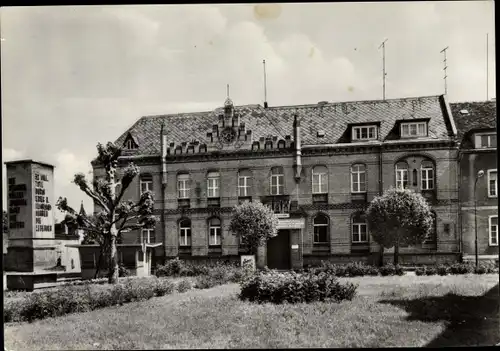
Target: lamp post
<point x="479" y="175"/>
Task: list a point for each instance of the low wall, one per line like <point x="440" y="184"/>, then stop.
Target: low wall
<point x="28" y="281"/>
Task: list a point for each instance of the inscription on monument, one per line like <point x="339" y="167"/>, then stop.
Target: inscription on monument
<point x="42" y="204"/>
<point x="17" y="199"/>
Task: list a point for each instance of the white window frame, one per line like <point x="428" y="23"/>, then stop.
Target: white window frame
<point x="213" y="185"/>
<point x="146" y="235"/>
<point x="320" y="225"/>
<point x="217" y="230"/>
<point x="183" y="189"/>
<point x="148" y="184"/>
<point x="322" y="181"/>
<point x="489" y="231"/>
<point x="359" y="225"/>
<point x="400" y="172"/>
<point x="478" y="140"/>
<point x="130" y="145"/>
<point x="425" y="178"/>
<point x="408" y="126"/>
<point x="496" y="183"/>
<point x="243" y="187"/>
<point x="279" y="188"/>
<point x="183" y="234"/>
<point x="357" y="174"/>
<point x="359" y="130"/>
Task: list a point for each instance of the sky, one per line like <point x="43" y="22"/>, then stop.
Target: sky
<point x="73" y="76"/>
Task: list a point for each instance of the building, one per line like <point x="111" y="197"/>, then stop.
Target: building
<point x="477" y="137"/>
<point x="317" y="165"/>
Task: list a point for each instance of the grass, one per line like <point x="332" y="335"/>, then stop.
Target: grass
<point x="407" y="311"/>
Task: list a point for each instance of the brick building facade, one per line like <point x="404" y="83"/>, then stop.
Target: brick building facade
<point x="317" y="165"/>
<point x="476" y="126"/>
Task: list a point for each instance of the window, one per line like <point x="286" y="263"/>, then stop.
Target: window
<point x="147" y="236"/>
<point x="401" y="175"/>
<point x="493" y="229"/>
<point x="488" y="140"/>
<point x="414" y="129"/>
<point x="244" y="183"/>
<point x="214" y="232"/>
<point x="359" y="229"/>
<point x="427" y="170"/>
<point x="183" y="186"/>
<point x="358" y="178"/>
<point x="277" y="181"/>
<point x="213" y="184"/>
<point x="281" y="144"/>
<point x="492" y="183"/>
<point x="146" y="183"/>
<point x="185" y="232"/>
<point x="320" y="224"/>
<point x="130" y="145"/>
<point x="319" y="180"/>
<point x="364" y="133"/>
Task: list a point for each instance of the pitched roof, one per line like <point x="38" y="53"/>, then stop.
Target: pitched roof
<point x="332" y="118"/>
<point x="480" y="115"/>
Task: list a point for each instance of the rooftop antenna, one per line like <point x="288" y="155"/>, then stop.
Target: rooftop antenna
<point x="487" y="68"/>
<point x="265" y="84"/>
<point x="383" y="67"/>
<point x="444" y="69"/>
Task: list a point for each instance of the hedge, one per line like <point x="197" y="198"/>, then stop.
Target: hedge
<point x="457" y="268"/>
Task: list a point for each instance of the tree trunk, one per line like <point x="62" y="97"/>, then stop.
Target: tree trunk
<point x="381" y="256"/>
<point x="113" y="260"/>
<point x="396" y="253"/>
<point x="98" y="268"/>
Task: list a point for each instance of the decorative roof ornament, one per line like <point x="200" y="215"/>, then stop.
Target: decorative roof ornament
<point x="228" y="101"/>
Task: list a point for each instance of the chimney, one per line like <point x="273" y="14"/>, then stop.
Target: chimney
<point x="298" y="152"/>
<point x="265" y="104"/>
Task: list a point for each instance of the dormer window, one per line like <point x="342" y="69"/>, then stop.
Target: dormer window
<point x="130" y="144"/>
<point x="486" y="140"/>
<point x="413" y="129"/>
<point x="364" y="132"/>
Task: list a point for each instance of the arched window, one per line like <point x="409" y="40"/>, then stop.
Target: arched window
<point x="130" y="144"/>
<point x="255" y="146"/>
<point x="268" y="145"/>
<point x="320" y="180"/>
<point x="244" y="182"/>
<point x="359" y="229"/>
<point x="277" y="181"/>
<point x="427" y="171"/>
<point x="146" y="183"/>
<point x="320" y="225"/>
<point x="358" y="178"/>
<point x="183" y="188"/>
<point x="203" y="148"/>
<point x="178" y="150"/>
<point x="185" y="232"/>
<point x="214" y="232"/>
<point x="213" y="179"/>
<point x="281" y="144"/>
<point x="401" y="175"/>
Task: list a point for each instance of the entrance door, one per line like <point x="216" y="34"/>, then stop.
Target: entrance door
<point x="278" y="251"/>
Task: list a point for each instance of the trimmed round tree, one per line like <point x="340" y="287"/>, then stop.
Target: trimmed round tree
<point x="399" y="218"/>
<point x="254" y="223"/>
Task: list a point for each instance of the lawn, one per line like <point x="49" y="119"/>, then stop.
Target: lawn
<point x="388" y="311"/>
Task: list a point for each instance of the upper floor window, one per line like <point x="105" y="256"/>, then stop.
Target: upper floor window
<point x="183" y="186"/>
<point x="486" y="140"/>
<point x="413" y="129"/>
<point x="277" y="181"/>
<point x="320" y="224"/>
<point x="244" y="183"/>
<point x="364" y="133"/>
<point x="492" y="183"/>
<point x="493" y="230"/>
<point x="148" y="236"/>
<point x="358" y="178"/>
<point x="146" y="183"/>
<point x="401" y="175"/>
<point x="130" y="144"/>
<point x="359" y="229"/>
<point x="185" y="232"/>
<point x="319" y="180"/>
<point x="214" y="232"/>
<point x="427" y="170"/>
<point x="213" y="179"/>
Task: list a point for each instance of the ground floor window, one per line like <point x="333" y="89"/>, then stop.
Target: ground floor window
<point x="493" y="229"/>
<point x="359" y="233"/>
<point x="214" y="232"/>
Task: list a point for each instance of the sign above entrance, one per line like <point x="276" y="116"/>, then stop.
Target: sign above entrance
<point x="291" y="224"/>
<point x="283" y="215"/>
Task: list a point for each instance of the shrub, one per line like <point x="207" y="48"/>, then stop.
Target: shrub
<point x="481" y="269"/>
<point x="356" y="269"/>
<point x="295" y="288"/>
<point x="372" y="270"/>
<point x="388" y="269"/>
<point x="461" y="268"/>
<point x="430" y="270"/>
<point x="420" y="271"/>
<point x="123" y="272"/>
<point x="184" y="286"/>
<point x="442" y="269"/>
